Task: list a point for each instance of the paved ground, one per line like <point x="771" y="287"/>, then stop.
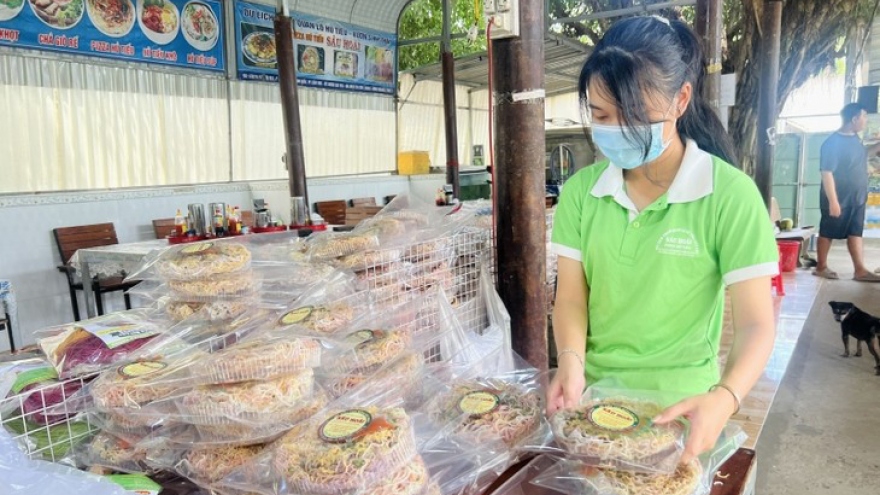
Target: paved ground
<point x="822" y="435"/>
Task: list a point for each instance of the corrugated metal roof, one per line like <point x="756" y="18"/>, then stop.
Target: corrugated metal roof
<point x="563" y="59"/>
<point x="381" y="15"/>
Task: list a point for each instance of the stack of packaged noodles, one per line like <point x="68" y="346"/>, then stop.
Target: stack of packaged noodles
<point x="305" y="381"/>
<point x="609" y="445"/>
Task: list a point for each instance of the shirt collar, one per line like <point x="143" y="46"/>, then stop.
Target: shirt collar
<point x="693" y="181"/>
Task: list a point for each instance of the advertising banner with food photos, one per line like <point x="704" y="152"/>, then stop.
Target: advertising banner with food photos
<point x="329" y="54"/>
<point x="180" y="33"/>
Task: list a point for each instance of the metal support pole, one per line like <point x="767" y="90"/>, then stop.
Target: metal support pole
<point x="709" y="25"/>
<point x="449" y="109"/>
<point x="713" y="53"/>
<point x="519" y="150"/>
<point x="296" y="163"/>
<point x="767" y="103"/>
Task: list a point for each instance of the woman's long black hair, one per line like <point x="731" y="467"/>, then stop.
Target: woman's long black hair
<point x="643" y="56"/>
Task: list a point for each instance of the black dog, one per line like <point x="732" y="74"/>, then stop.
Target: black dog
<point x="860" y="325"/>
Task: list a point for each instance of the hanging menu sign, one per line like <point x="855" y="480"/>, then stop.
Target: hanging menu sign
<point x="180" y="33"/>
<point x="255" y="42"/>
<point x="329" y="54"/>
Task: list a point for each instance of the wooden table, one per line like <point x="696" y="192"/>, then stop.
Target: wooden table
<point x="735" y="477"/>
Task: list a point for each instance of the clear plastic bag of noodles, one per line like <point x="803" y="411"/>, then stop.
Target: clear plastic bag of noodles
<point x="694" y="478"/>
<point x="206" y="259"/>
<point x="327" y="246"/>
<point x="504" y="409"/>
<point x="399" y="379"/>
<point x="281" y="283"/>
<point x="240" y="434"/>
<point x="364" y="260"/>
<point x="233" y="286"/>
<point x="220" y="310"/>
<point x="89" y="346"/>
<point x="324" y="311"/>
<point x="346" y="448"/>
<point x="204" y="466"/>
<point x="613" y="428"/>
<point x="251" y="403"/>
<point x="112" y="453"/>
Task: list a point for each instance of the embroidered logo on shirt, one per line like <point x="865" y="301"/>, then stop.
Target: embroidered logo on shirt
<point x="678" y="242"/>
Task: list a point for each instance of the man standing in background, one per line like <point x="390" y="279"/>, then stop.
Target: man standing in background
<point x="844" y="193"/>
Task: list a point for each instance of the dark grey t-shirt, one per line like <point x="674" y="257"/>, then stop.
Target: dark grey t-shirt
<point x="847" y="159"/>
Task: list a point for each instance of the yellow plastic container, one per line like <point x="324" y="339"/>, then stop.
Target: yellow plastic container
<point x="413" y="163"/>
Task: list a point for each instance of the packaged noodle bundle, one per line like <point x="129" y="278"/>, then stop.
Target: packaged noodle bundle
<point x="490" y="410"/>
<point x="615" y="430"/>
<point x="260" y="359"/>
<point x="332" y="245"/>
<point x="239" y="285"/>
<point x="195" y="260"/>
<point x="321" y="313"/>
<point x="219" y="310"/>
<point x="203" y="466"/>
<point x="93" y="345"/>
<point x="114" y="453"/>
<point x="369" y="259"/>
<point x="693" y="478"/>
<point x="131" y="386"/>
<point x="256" y="402"/>
<point x="344" y="450"/>
<point x="369" y="350"/>
<point x="402" y="375"/>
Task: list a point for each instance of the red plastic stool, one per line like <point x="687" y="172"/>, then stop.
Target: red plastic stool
<point x="776" y="282"/>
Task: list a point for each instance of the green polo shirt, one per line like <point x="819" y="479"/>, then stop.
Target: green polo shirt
<point x="657" y="277"/>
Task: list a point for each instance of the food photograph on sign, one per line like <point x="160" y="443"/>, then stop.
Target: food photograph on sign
<point x="9" y="9"/>
<point x="59" y="14"/>
<point x="114" y="18"/>
<point x="200" y="26"/>
<point x="345" y="65"/>
<point x="380" y="64"/>
<point x="311" y="59"/>
<point x="258" y="46"/>
<point x="159" y="20"/>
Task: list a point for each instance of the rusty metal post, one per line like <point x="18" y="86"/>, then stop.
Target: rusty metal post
<point x="713" y="54"/>
<point x="296" y="162"/>
<point x="709" y="28"/>
<point x="450" y="116"/>
<point x="771" y="25"/>
<point x="520" y="189"/>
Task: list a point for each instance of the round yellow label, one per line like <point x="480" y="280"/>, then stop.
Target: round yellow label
<point x="298" y="315"/>
<point x="613" y="418"/>
<point x="141" y="368"/>
<point x="344" y="426"/>
<point x="197" y="248"/>
<point x="478" y="403"/>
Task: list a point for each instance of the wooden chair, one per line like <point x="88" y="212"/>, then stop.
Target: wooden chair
<point x="71" y="239"/>
<point x="163" y="227"/>
<point x="333" y="212"/>
<point x="247" y="218"/>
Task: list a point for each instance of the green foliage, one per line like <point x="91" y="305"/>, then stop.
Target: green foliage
<point x="424" y="19"/>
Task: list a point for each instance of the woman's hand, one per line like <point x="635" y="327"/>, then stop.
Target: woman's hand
<point x="567" y="386"/>
<point x="707" y="413"/>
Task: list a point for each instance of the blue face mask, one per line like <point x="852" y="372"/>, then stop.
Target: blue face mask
<point x="627" y="155"/>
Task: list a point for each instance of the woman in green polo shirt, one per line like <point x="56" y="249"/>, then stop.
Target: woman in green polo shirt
<point x="648" y="239"/>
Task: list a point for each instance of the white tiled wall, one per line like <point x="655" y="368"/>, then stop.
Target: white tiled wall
<point x="28" y="256"/>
